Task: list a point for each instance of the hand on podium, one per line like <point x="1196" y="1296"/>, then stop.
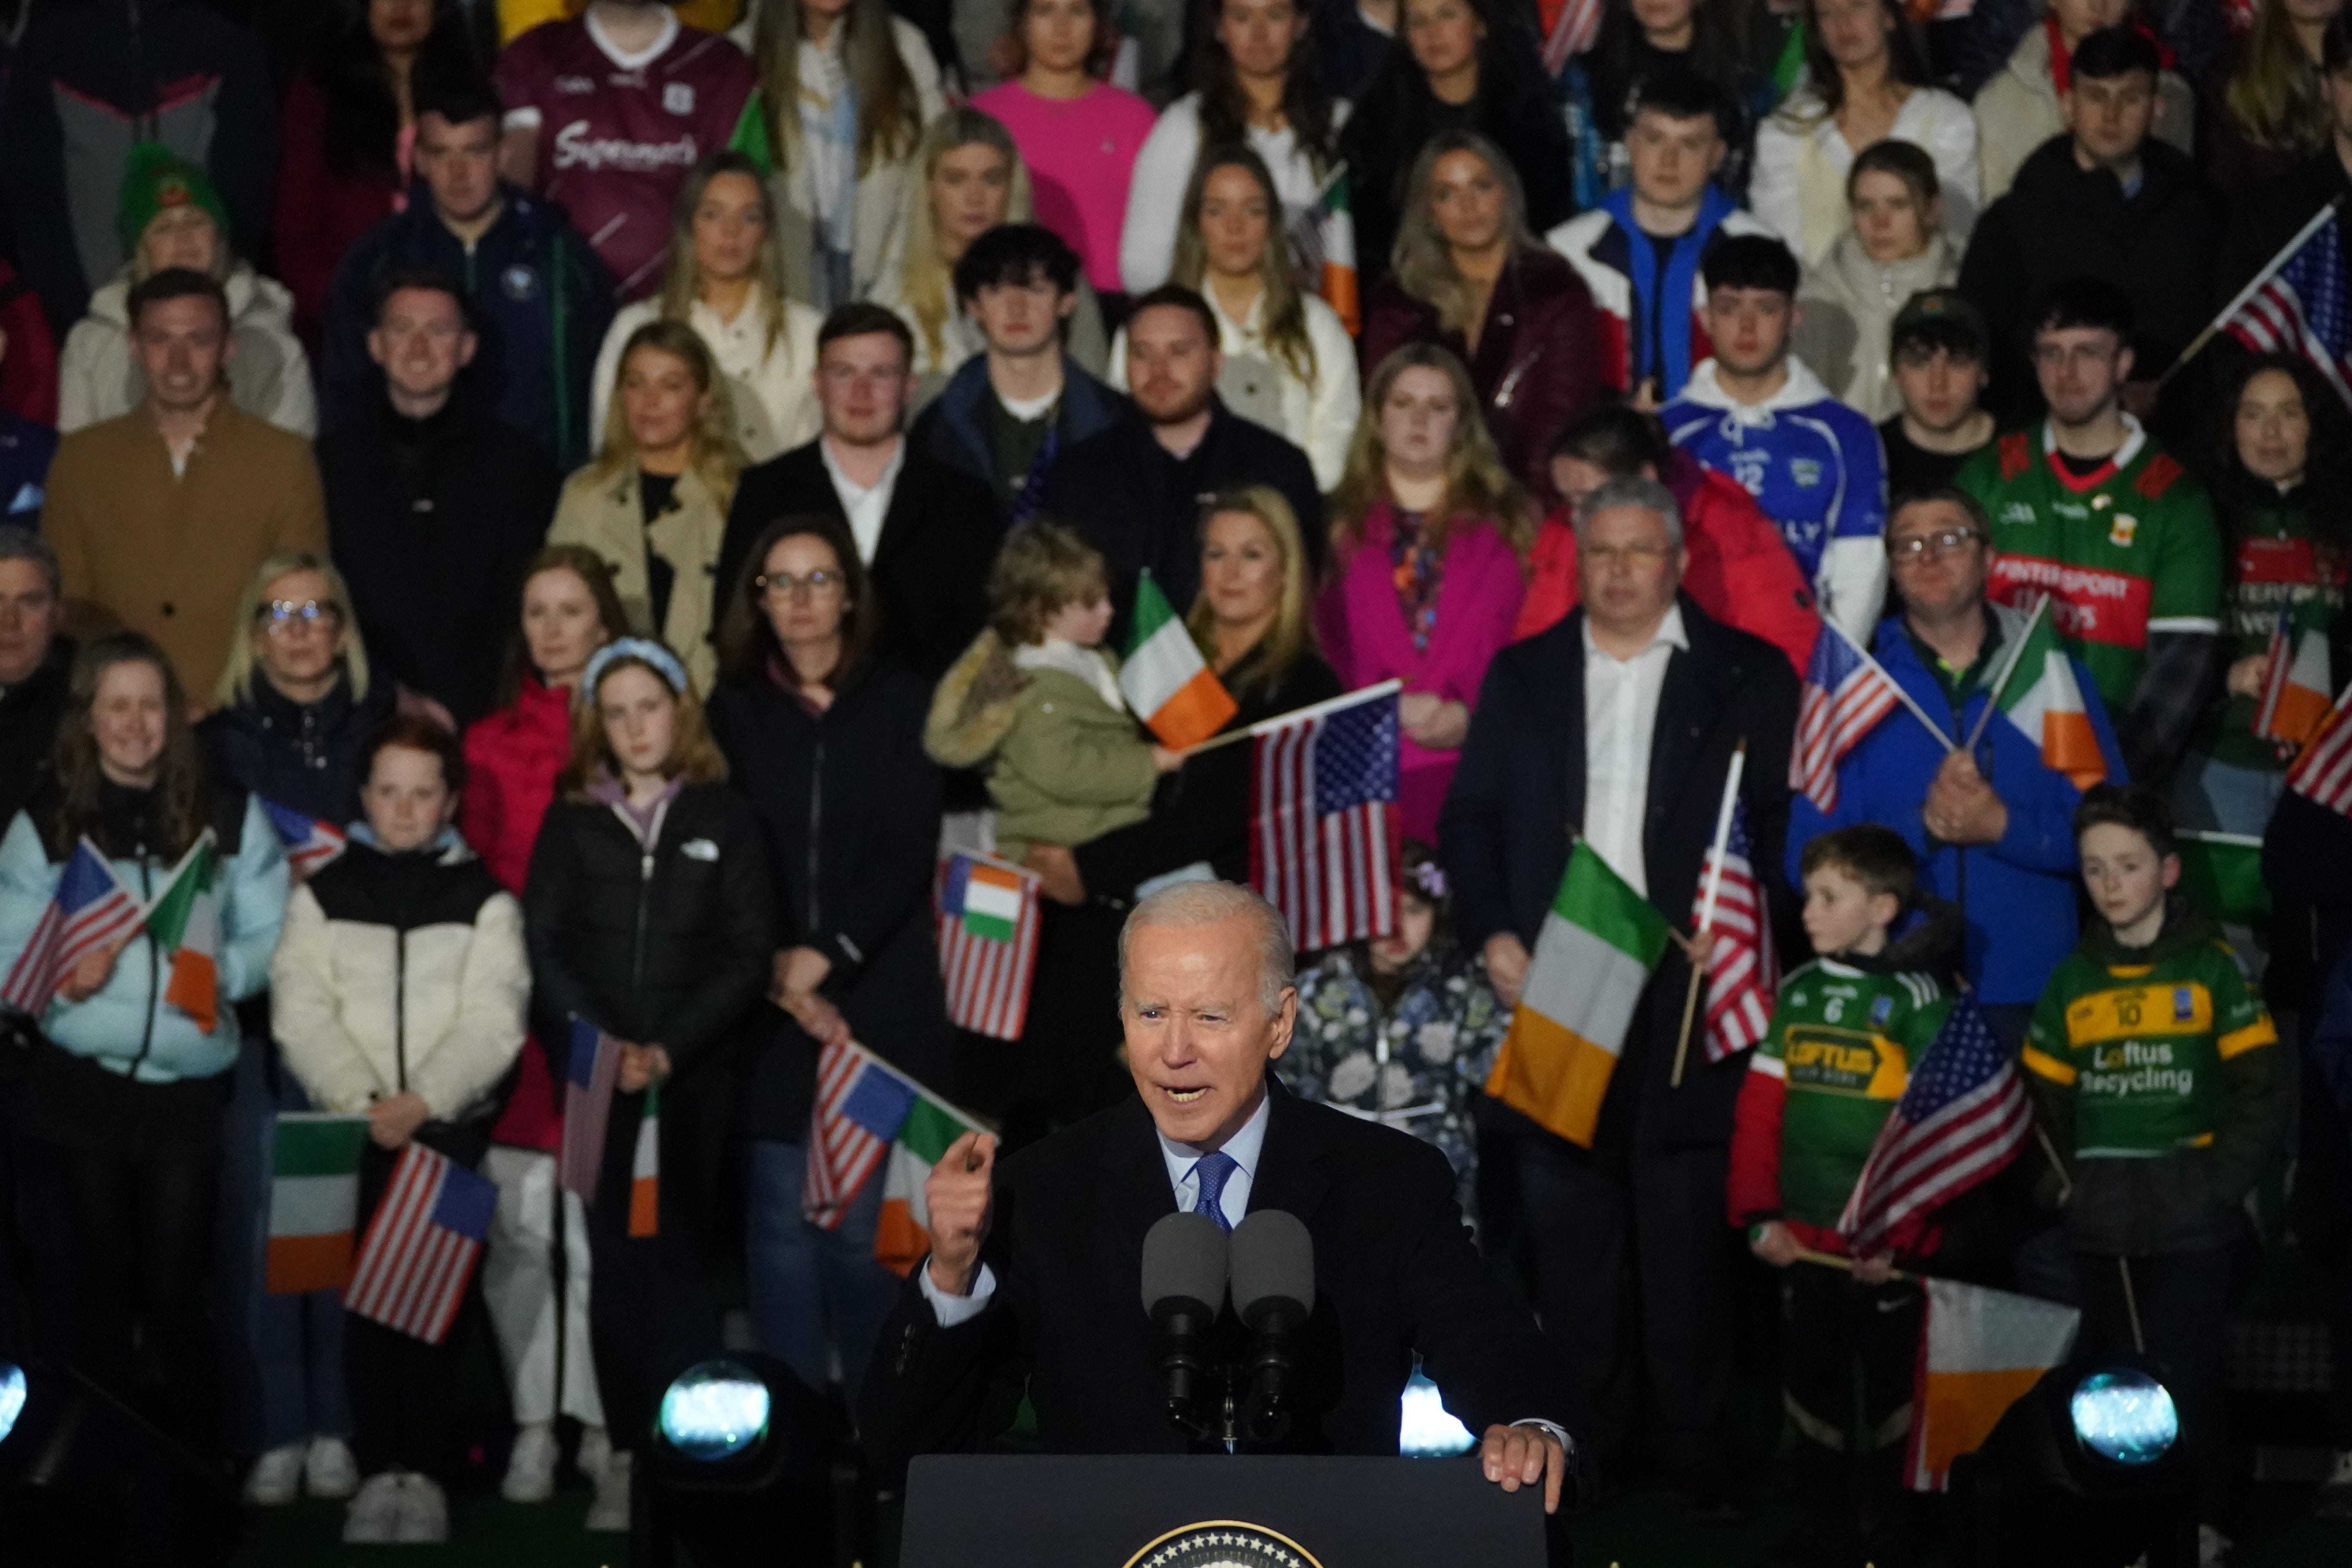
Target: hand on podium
<point x="1514" y="1457"/>
<point x="958" y="1192"/>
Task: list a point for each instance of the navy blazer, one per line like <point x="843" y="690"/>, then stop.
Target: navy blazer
<point x="1518" y="802"/>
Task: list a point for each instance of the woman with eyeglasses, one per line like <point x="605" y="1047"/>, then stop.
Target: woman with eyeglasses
<point x="648" y="912"/>
<point x="824" y="738"/>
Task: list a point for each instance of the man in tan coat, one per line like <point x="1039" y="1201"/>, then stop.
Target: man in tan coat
<point x="158" y="517"/>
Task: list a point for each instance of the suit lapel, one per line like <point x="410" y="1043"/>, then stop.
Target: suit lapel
<point x="1566" y="736"/>
<point x="1290" y="1174"/>
<point x="1688" y="702"/>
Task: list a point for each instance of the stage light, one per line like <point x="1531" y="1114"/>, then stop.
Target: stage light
<point x="2124" y="1416"/>
<point x="1428" y="1430"/>
<point x="11" y="1397"/>
<point x="715" y="1410"/>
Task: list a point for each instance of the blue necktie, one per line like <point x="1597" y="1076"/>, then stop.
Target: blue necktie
<point x="1214" y="1170"/>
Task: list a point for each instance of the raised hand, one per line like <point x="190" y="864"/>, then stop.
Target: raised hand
<point x="960" y="1194"/>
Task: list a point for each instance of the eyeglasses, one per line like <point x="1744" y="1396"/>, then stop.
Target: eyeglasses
<point x="283" y="617"/>
<point x="1641" y="557"/>
<point x="816" y="584"/>
<point x="1942" y="542"/>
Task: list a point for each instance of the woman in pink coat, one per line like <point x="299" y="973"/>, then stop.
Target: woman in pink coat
<point x="1427" y="532"/>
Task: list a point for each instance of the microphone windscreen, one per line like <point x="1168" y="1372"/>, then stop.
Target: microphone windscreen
<point x="1273" y="1261"/>
<point x="1184" y="1258"/>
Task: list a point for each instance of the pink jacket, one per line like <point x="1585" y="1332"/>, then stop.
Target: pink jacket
<point x="1366" y="638"/>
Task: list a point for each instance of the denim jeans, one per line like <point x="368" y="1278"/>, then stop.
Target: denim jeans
<point x="815" y="1293"/>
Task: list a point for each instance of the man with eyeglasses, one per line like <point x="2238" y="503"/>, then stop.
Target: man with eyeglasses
<point x="434" y="502"/>
<point x="1618" y="725"/>
<point x="926" y="530"/>
<point x="2089" y="509"/>
<point x="1991" y="824"/>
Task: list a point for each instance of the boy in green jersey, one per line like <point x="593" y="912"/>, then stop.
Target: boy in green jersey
<point x="2159" y="1081"/>
<point x="1845" y="1031"/>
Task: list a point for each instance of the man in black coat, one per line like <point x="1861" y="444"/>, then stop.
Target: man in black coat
<point x="1033" y="1275"/>
<point x="2106" y="200"/>
<point x="1136" y="490"/>
<point x="926" y="531"/>
<point x="1618" y="725"/>
<point x="433" y="504"/>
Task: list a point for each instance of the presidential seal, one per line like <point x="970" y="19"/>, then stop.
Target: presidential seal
<point x="1224" y="1543"/>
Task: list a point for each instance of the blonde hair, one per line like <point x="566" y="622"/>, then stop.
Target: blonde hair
<point x="1293" y="632"/>
<point x="889" y="107"/>
<point x="1285" y="315"/>
<point x="1477" y="486"/>
<point x="1423" y="259"/>
<point x="715" y="458"/>
<point x="1043" y="568"/>
<point x="2275" y="92"/>
<point x="244" y="656"/>
<point x="927" y="283"/>
<point x="681" y="282"/>
<point x="694" y="756"/>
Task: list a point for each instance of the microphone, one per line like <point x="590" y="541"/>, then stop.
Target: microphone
<point x="1273" y="1294"/>
<point x="1185" y="1264"/>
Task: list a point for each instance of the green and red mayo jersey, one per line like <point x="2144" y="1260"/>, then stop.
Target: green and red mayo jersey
<point x="2127" y="550"/>
<point x="1819" y="1088"/>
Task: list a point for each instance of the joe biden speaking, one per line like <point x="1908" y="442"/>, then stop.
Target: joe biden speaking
<point x="1032" y="1282"/>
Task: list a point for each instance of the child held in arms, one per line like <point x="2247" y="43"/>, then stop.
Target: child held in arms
<point x="1846" y="1030"/>
<point x="1035" y="699"/>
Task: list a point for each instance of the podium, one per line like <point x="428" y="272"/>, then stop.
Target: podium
<point x="1214" y="1511"/>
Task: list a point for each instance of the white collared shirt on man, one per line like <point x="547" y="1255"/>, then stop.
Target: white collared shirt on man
<point x="866" y="507"/>
<point x="1621" y="715"/>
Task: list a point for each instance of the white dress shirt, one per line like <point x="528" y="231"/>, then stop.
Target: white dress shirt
<point x="865" y="507"/>
<point x="1620" y="714"/>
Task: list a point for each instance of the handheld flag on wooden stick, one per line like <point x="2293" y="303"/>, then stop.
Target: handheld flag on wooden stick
<point x="868" y="1112"/>
<point x="310" y="842"/>
<point x="1983" y="1350"/>
<point x="314" y="1200"/>
<point x="1846" y="693"/>
<point x="1165" y="679"/>
<point x="2294" y="692"/>
<point x="1710" y="889"/>
<point x="1326" y="840"/>
<point x="988" y="943"/>
<point x="2323" y="774"/>
<point x="186" y="921"/>
<point x="91" y="910"/>
<point x="591" y="1068"/>
<point x="2036" y="692"/>
<point x="420" y="1244"/>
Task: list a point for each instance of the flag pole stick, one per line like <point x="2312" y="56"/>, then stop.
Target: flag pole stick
<point x="1831" y="1260"/>
<point x="2131" y="1305"/>
<point x="1297" y="715"/>
<point x="1916" y="711"/>
<point x="1707" y="905"/>
<point x="2214" y="328"/>
<point x="2008" y="668"/>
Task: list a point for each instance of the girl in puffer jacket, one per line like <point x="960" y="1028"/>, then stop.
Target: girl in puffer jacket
<point x="399" y="991"/>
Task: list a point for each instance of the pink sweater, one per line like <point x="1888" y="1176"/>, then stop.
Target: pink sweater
<point x="1366" y="638"/>
<point x="1080" y="151"/>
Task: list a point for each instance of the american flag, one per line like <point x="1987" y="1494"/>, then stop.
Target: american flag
<point x="91" y="909"/>
<point x="1962" y="1117"/>
<point x="1845" y="694"/>
<point x="2300" y="308"/>
<point x="860" y="1106"/>
<point x="1572" y="33"/>
<point x="1325" y="839"/>
<point x="591" y="1068"/>
<point x="420" y="1247"/>
<point x="2323" y="774"/>
<point x="988" y="943"/>
<point x="1743" y="973"/>
<point x="309" y="841"/>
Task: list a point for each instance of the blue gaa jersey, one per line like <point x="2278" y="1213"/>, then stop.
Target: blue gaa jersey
<point x="1814" y="467"/>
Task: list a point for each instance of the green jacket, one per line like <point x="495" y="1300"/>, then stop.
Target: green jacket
<point x="2161" y="1084"/>
<point x="1063" y="765"/>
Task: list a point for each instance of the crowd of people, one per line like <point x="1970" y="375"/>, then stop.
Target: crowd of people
<point x="655" y="474"/>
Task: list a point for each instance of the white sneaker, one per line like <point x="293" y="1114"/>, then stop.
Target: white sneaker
<point x="2212" y="1547"/>
<point x="595" y="1452"/>
<point x="530" y="1469"/>
<point x="424" y="1515"/>
<point x="329" y="1470"/>
<point x="374" y="1513"/>
<point x="610" y="1511"/>
<point x="277" y="1477"/>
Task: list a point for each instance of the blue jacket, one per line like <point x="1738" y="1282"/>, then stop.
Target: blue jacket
<point x="2018" y="896"/>
<point x="954" y="429"/>
<point x="126" y="1026"/>
<point x="540" y="301"/>
<point x="25" y="449"/>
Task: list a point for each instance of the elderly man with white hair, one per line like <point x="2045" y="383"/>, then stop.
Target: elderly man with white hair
<point x="1035" y="1263"/>
<point x="1618" y="725"/>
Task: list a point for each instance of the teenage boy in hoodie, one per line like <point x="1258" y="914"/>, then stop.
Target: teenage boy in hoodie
<point x="1756" y="412"/>
<point x="2158" y="1079"/>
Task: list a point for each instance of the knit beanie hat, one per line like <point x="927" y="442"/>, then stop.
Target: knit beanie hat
<point x="155" y="179"/>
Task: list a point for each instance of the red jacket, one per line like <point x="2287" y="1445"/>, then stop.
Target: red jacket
<point x="320" y="210"/>
<point x="511" y="759"/>
<point x="1731" y="543"/>
<point x="28" y="365"/>
<point x="1539" y="361"/>
<point x="1752" y="1193"/>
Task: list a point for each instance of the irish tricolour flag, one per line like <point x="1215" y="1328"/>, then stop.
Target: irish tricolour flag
<point x="2037" y="692"/>
<point x="903" y="1235"/>
<point x="314" y="1200"/>
<point x="2294" y="693"/>
<point x="1984" y="1349"/>
<point x="185" y="921"/>
<point x="1165" y="679"/>
<point x="1592" y="958"/>
<point x="869" y="1115"/>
